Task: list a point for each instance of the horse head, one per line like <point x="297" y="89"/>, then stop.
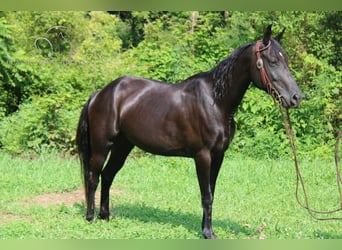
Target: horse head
<point x="270" y="71"/>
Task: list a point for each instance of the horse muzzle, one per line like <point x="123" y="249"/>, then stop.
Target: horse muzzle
<point x="291" y="101"/>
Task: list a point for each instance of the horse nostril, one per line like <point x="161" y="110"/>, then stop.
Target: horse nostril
<point x="295" y="100"/>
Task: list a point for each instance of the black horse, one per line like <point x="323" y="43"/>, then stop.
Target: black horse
<point x="193" y="118"/>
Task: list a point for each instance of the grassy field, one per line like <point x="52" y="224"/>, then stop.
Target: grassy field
<point x="158" y="198"/>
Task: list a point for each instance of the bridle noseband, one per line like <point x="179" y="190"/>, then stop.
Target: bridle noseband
<point x="260" y="65"/>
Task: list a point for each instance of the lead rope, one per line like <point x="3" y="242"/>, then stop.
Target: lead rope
<point x="300" y="182"/>
<point x="289" y="131"/>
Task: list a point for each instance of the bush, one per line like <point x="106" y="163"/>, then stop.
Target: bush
<point x="42" y="90"/>
<point x="45" y="122"/>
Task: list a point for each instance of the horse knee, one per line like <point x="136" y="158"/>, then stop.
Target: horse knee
<point x="207" y="202"/>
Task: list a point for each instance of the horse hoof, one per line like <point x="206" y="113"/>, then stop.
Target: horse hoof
<point x="209" y="235"/>
<point x="104" y="217"/>
<point x="90" y="218"/>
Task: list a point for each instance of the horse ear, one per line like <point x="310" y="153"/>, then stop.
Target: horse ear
<point x="267" y="35"/>
<point x="280" y="35"/>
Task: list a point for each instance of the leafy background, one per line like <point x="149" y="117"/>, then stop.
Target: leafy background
<point x="50" y="63"/>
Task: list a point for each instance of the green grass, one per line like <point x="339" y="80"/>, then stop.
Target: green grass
<point x="158" y="197"/>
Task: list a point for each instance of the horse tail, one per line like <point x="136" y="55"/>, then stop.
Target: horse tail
<point x="83" y="144"/>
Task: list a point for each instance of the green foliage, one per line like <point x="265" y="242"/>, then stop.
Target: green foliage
<point x="100" y="38"/>
<point x="41" y="123"/>
<point x="15" y="74"/>
<point x="50" y="62"/>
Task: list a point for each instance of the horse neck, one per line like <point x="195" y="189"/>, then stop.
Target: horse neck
<point x="238" y="82"/>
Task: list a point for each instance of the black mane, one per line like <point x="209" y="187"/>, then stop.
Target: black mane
<point x="222" y="74"/>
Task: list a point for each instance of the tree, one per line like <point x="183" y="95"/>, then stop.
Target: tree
<point x="50" y="62"/>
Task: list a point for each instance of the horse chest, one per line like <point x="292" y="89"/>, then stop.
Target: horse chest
<point x="219" y="135"/>
<point x="225" y="139"/>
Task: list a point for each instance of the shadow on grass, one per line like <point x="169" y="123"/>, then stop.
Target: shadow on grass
<point x="189" y="221"/>
<point x="325" y="235"/>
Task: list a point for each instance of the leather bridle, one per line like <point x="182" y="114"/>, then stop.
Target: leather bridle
<point x="264" y="77"/>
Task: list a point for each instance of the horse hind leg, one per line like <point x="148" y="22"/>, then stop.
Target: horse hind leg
<point x="119" y="152"/>
<point x="92" y="180"/>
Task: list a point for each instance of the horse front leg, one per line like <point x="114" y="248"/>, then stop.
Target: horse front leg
<point x="203" y="166"/>
<point x="214" y="171"/>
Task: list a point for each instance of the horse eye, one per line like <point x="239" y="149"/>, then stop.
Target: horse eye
<point x="274" y="62"/>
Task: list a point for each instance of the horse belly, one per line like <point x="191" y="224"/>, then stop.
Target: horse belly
<point x="158" y="131"/>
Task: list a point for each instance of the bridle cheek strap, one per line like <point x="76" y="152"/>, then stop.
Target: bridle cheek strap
<point x="260" y="65"/>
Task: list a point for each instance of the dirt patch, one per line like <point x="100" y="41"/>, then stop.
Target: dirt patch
<point x="50" y="199"/>
<point x="8" y="218"/>
<point x="45" y="200"/>
<point x="66" y="198"/>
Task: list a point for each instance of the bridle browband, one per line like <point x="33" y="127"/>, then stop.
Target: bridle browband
<point x="264" y="77"/>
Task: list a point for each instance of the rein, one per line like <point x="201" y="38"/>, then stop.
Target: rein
<point x="289" y="131"/>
